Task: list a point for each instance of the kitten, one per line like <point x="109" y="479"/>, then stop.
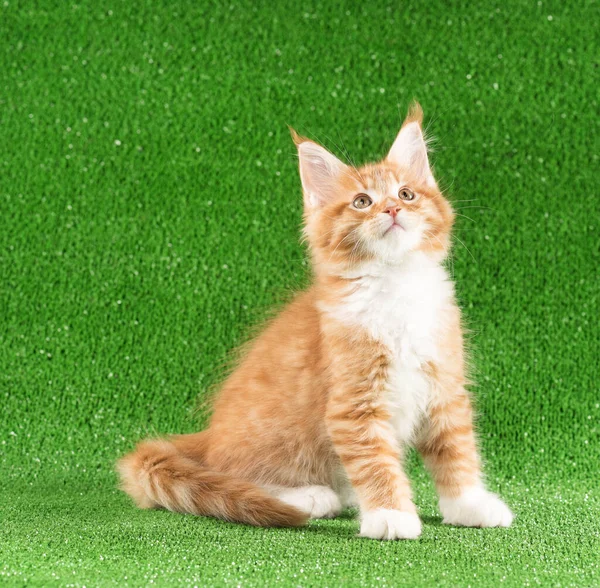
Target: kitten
<point x="366" y="362"/>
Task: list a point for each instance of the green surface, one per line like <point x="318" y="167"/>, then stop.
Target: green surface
<point x="149" y="210"/>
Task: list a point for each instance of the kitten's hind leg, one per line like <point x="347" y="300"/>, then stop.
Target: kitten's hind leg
<point x="320" y="502"/>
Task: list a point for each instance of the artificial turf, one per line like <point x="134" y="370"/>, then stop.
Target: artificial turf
<point x="150" y="208"/>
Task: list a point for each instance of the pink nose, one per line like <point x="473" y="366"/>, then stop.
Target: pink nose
<point x="393" y="210"/>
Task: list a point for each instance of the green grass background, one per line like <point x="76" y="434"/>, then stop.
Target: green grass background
<point x="150" y="209"/>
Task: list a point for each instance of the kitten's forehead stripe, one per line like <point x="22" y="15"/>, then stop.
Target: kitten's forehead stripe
<point x="381" y="179"/>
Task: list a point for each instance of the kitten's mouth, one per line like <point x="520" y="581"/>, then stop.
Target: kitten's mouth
<point x="394" y="227"/>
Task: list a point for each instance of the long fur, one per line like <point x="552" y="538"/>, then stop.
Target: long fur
<point x="156" y="475"/>
<point x="368" y="360"/>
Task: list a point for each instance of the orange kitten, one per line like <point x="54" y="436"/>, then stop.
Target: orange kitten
<point x="366" y="362"/>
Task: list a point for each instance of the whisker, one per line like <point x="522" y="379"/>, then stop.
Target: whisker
<point x="461" y="242"/>
<point x="480" y="207"/>
<point x="464" y="216"/>
<point x="450" y="254"/>
<point x="350" y="234"/>
<point x="328" y="232"/>
<point x="330" y="217"/>
<point x="356" y="251"/>
<point x="447" y="187"/>
<point x="346" y="155"/>
<point x="340" y="149"/>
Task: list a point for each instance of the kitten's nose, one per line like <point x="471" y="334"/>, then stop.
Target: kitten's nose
<point x="393" y="210"/>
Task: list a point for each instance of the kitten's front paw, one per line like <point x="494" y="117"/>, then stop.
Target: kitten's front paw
<point x="385" y="523"/>
<point x="476" y="507"/>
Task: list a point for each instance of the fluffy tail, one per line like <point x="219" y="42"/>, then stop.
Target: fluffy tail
<point x="156" y="474"/>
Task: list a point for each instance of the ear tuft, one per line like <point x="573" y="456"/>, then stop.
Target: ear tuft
<point x="296" y="137"/>
<point x="415" y="114"/>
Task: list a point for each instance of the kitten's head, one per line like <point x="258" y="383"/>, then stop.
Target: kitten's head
<point x="377" y="212"/>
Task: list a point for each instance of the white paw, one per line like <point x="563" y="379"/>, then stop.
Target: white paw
<point x="320" y="502"/>
<point x="385" y="523"/>
<point x="476" y="507"/>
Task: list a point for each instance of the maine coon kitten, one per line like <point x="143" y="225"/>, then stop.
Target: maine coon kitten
<point x="366" y="362"/>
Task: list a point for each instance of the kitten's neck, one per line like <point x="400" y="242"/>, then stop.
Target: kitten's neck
<point x="386" y="294"/>
<point x="413" y="261"/>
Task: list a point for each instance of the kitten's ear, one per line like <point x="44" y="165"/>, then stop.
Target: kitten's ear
<point x="409" y="149"/>
<point x="319" y="171"/>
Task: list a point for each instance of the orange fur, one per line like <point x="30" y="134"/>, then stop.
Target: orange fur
<point x="308" y="404"/>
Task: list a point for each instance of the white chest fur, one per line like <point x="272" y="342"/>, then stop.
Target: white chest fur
<point x="403" y="307"/>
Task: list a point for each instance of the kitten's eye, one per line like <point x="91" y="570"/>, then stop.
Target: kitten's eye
<point x="362" y="201"/>
<point x="406" y="194"/>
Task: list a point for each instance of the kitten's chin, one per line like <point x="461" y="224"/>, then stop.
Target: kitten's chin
<point x="394" y="245"/>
